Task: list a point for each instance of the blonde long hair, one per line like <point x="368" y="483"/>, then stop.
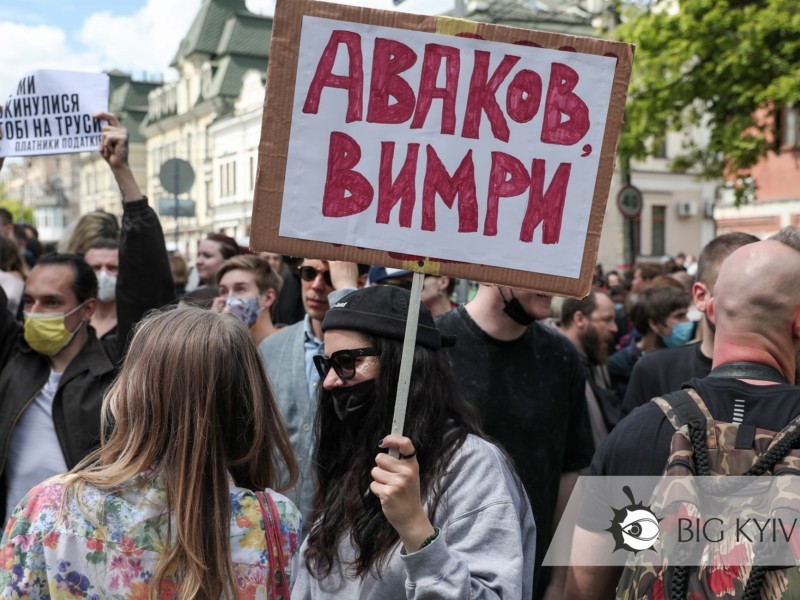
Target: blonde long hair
<point x="192" y="402"/>
<point x="90" y="227"/>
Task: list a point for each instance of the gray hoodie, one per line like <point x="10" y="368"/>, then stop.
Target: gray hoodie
<point x="485" y="549"/>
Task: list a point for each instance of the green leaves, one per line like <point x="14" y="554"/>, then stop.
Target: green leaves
<point x="18" y="211"/>
<point x="728" y="65"/>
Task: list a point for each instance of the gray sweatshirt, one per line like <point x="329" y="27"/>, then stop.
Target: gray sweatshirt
<point x="485" y="549"/>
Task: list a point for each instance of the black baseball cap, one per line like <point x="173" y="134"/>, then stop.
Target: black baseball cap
<point x="383" y="310"/>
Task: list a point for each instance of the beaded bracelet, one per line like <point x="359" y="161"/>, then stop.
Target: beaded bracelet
<point x="430" y="538"/>
<point x="427" y="542"/>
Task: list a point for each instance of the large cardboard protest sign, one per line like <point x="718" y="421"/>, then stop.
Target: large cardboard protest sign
<point x="50" y="112"/>
<point x="438" y="144"/>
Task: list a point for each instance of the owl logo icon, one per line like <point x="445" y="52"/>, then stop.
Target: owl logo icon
<point x="634" y="527"/>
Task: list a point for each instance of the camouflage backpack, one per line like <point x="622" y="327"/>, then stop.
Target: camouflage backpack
<point x="702" y="446"/>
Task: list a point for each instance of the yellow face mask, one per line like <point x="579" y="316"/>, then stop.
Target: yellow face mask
<point x="46" y="333"/>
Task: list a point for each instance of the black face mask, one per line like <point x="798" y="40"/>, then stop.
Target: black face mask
<point x="514" y="310"/>
<point x="352" y="402"/>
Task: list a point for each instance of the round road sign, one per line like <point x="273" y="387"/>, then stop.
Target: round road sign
<point x="176" y="175"/>
<point x="629" y="201"/>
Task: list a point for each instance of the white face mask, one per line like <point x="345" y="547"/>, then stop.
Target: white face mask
<point x="106" y="286"/>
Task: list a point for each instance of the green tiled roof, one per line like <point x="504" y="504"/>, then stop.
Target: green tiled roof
<point x="230" y="72"/>
<point x="133" y="122"/>
<point x="131" y="95"/>
<point x="136" y="98"/>
<point x="231" y="41"/>
<point x="128" y="100"/>
<point x="117" y="78"/>
<point x="245" y="34"/>
<point x="205" y="32"/>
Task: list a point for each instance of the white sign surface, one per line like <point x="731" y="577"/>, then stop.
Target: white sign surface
<point x="50" y="112"/>
<point x="452" y="148"/>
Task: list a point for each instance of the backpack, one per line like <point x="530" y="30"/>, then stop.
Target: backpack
<point x="701" y="446"/>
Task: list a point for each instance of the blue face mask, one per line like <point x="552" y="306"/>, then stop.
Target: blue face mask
<point x="618" y="306"/>
<point x="681" y="334"/>
<point x="247" y="309"/>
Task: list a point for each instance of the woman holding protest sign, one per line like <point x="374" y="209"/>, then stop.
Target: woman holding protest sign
<point x="449" y="518"/>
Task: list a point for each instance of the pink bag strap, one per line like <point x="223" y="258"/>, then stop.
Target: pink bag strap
<point x="277" y="558"/>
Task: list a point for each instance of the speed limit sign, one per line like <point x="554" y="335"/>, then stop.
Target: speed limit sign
<point x="629" y="201"/>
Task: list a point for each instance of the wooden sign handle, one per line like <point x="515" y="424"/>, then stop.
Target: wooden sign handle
<point x="407" y="360"/>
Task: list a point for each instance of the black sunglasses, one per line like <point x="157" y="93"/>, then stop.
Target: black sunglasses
<point x="342" y="362"/>
<point x="310" y="274"/>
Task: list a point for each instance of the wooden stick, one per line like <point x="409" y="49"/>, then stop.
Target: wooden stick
<point x="407" y="360"/>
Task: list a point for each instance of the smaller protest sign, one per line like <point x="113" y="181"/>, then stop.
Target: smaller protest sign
<point x="50" y="112"/>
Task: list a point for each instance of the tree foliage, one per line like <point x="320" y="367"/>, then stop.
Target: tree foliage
<point x="730" y="65"/>
<point x="21" y="214"/>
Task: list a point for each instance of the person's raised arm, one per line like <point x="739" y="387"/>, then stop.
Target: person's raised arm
<point x="144" y="281"/>
<point x="114" y="149"/>
<point x="345" y="279"/>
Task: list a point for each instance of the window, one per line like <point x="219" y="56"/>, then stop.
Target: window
<point x="658" y="223"/>
<point x="790" y="126"/>
<point x="227" y="179"/>
<point x="660" y="147"/>
<point x="252" y="172"/>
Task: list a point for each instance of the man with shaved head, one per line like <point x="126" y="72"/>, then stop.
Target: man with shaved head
<point x="756" y="312"/>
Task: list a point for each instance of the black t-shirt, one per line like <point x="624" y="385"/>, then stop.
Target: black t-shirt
<point x="664" y="371"/>
<point x="639" y="444"/>
<point x="531" y="396"/>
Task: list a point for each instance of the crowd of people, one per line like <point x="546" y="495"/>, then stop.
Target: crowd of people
<point x="230" y="436"/>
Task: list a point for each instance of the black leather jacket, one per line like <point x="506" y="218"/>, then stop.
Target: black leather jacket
<point x="144" y="282"/>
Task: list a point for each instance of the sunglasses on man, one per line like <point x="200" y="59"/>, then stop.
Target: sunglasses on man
<point x="342" y="362"/>
<point x="309" y="274"/>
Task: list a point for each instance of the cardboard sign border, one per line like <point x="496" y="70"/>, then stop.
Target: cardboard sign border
<point x="276" y="126"/>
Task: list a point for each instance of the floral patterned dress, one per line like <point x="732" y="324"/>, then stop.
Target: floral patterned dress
<point x="107" y="544"/>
